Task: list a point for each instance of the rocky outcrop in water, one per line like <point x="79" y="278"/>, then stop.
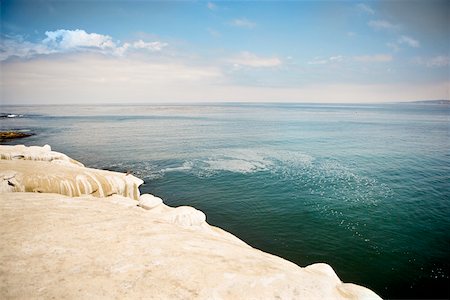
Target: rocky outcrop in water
<point x="9" y="135"/>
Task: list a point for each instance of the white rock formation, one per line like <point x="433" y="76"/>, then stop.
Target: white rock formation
<point x="186" y="216"/>
<point x="55" y="246"/>
<point x="38" y="169"/>
<point x="44" y="153"/>
<point x="148" y="201"/>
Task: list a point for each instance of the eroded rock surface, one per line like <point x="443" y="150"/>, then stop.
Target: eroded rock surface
<point x="44" y="153"/>
<point x="38" y="169"/>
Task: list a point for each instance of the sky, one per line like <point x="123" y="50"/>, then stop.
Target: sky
<point x="100" y="51"/>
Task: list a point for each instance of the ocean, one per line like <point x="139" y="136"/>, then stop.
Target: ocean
<point x="364" y="188"/>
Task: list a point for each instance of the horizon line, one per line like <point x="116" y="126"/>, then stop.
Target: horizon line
<point x="446" y="101"/>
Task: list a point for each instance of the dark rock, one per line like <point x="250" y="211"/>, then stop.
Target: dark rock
<point x="4" y="135"/>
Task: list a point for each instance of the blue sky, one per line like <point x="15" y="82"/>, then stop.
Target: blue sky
<point x="257" y="51"/>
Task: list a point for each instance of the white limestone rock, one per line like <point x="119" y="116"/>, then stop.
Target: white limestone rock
<point x="122" y="201"/>
<point x="58" y="247"/>
<point x="186" y="216"/>
<point x="44" y="153"/>
<point x="148" y="201"/>
<point x="8" y="181"/>
<point x="37" y="172"/>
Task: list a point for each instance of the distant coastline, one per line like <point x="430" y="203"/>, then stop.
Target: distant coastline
<point x="216" y="103"/>
<point x="429" y="102"/>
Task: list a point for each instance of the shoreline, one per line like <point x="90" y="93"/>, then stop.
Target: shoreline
<point x="61" y="231"/>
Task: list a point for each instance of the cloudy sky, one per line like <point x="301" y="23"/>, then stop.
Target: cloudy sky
<point x="199" y="51"/>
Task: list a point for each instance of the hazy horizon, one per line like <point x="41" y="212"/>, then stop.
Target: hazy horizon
<point x="212" y="103"/>
<point x="139" y="52"/>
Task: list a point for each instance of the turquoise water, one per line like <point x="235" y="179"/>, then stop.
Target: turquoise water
<point x="364" y="188"/>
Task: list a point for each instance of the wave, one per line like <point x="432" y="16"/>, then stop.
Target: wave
<point x="235" y="165"/>
<point x="186" y="166"/>
<point x="326" y="178"/>
<point x="327" y="186"/>
<point x="241" y="161"/>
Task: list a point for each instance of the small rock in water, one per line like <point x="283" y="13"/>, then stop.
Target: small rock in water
<point x="13" y="135"/>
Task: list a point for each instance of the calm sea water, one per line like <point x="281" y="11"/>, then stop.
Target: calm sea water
<point x="365" y="188"/>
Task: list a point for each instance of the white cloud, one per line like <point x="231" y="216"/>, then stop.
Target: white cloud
<point x="318" y="62"/>
<point x="439" y="61"/>
<point x="433" y="62"/>
<point x="68" y="39"/>
<point x="394" y="46"/>
<point x="383" y="25"/>
<point x="17" y="47"/>
<point x="252" y="60"/>
<point x="63" y="41"/>
<point x="82" y="72"/>
<point x="213" y="32"/>
<point x="79" y="78"/>
<point x="365" y="8"/>
<point x="373" y="58"/>
<point x="211" y="6"/>
<point x="403" y="40"/>
<point x="152" y="46"/>
<point x="324" y="61"/>
<point x="243" y="22"/>
<point x="82" y="76"/>
<point x="408" y="41"/>
<point x="140" y="45"/>
<point x="337" y="58"/>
